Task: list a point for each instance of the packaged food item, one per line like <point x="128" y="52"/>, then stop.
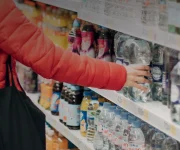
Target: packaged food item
<point x="83" y="115"/>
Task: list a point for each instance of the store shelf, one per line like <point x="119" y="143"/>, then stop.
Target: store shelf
<point x="73" y="5"/>
<point x="73" y="136"/>
<point x="153" y="113"/>
<point x="132" y="27"/>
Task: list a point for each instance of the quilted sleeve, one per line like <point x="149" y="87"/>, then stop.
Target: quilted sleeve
<point x="27" y="44"/>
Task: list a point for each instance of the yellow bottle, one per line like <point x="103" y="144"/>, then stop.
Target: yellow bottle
<point x="83" y="115"/>
<point x="49" y="139"/>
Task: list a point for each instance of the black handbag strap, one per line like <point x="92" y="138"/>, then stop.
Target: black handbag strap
<point x="9" y="74"/>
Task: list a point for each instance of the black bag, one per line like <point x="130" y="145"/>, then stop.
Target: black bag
<point x="22" y="124"/>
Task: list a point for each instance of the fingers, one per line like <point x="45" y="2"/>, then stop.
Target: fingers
<point x="141" y="80"/>
<point x="138" y="86"/>
<point x="141" y="67"/>
<point x="143" y="73"/>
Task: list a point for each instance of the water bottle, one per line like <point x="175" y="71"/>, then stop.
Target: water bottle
<point x="107" y="123"/>
<point x="131" y="119"/>
<point x="145" y="127"/>
<point x="92" y="108"/>
<point x="148" y="138"/>
<point x="119" y="131"/>
<point x="116" y="122"/>
<point x="97" y="115"/>
<point x="98" y="138"/>
<point x="157" y="140"/>
<point x="136" y="138"/>
<point x="175" y="92"/>
<point x="170" y="144"/>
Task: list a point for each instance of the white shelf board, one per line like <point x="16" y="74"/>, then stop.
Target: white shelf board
<point x="72" y="135"/>
<point x="130" y="27"/>
<point x="73" y="5"/>
<point x="154" y="113"/>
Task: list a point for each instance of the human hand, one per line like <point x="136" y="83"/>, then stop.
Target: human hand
<point x="136" y="74"/>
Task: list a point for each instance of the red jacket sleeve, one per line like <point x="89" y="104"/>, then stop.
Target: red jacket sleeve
<point x="27" y="44"/>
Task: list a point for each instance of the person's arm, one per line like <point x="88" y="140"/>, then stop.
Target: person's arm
<point x="27" y="44"/>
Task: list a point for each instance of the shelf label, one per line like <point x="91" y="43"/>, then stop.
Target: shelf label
<point x="149" y="34"/>
<point x="170" y="128"/>
<point x="143" y="113"/>
<point x="122" y="101"/>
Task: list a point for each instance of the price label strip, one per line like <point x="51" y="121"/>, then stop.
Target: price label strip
<point x="143" y="113"/>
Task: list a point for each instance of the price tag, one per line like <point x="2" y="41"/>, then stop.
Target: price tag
<point x="173" y="130"/>
<point x="149" y="34"/>
<point x="143" y="113"/>
<point x="170" y="128"/>
<point x="122" y="101"/>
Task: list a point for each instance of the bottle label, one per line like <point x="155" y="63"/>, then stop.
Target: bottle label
<point x="61" y="109"/>
<point x="77" y="45"/>
<point x="103" y="48"/>
<point x="73" y="116"/>
<point x="156" y="71"/>
<point x="55" y="102"/>
<point x="125" y="139"/>
<point x="71" y="39"/>
<point x="100" y="128"/>
<point x="65" y="112"/>
<point x="83" y="121"/>
<point x="105" y="131"/>
<point x="87" y="41"/>
<point x="135" y="146"/>
<point x="158" y="55"/>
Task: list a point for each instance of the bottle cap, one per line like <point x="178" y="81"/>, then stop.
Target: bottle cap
<point x="131" y="119"/>
<point x="117" y="111"/>
<point x="124" y="115"/>
<point x="101" y="103"/>
<point x="51" y="133"/>
<point x="87" y="93"/>
<point x="112" y="108"/>
<point x="94" y="98"/>
<point x="75" y="88"/>
<point x="76" y="23"/>
<point x="137" y="124"/>
<point x="106" y="104"/>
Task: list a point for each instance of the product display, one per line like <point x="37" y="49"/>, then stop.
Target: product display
<point x="120" y="123"/>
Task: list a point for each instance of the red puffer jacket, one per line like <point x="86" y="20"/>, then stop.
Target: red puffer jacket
<point x="27" y="44"/>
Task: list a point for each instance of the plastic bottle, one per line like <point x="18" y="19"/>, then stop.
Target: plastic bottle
<point x="157" y="71"/>
<point x="57" y="88"/>
<point x="108" y="123"/>
<point x="74" y="102"/>
<point x="49" y="139"/>
<point x="98" y="113"/>
<point x="136" y="138"/>
<point x="145" y="127"/>
<point x="157" y="140"/>
<point x="170" y="144"/>
<point x="148" y="138"/>
<point x="74" y="38"/>
<point x="83" y="115"/>
<point x="104" y="45"/>
<point x="87" y="46"/>
<point x="67" y="94"/>
<point x="98" y="138"/>
<point x="125" y="142"/>
<point x="116" y="121"/>
<point x="62" y="100"/>
<point x="175" y="92"/>
<point x="92" y="108"/>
